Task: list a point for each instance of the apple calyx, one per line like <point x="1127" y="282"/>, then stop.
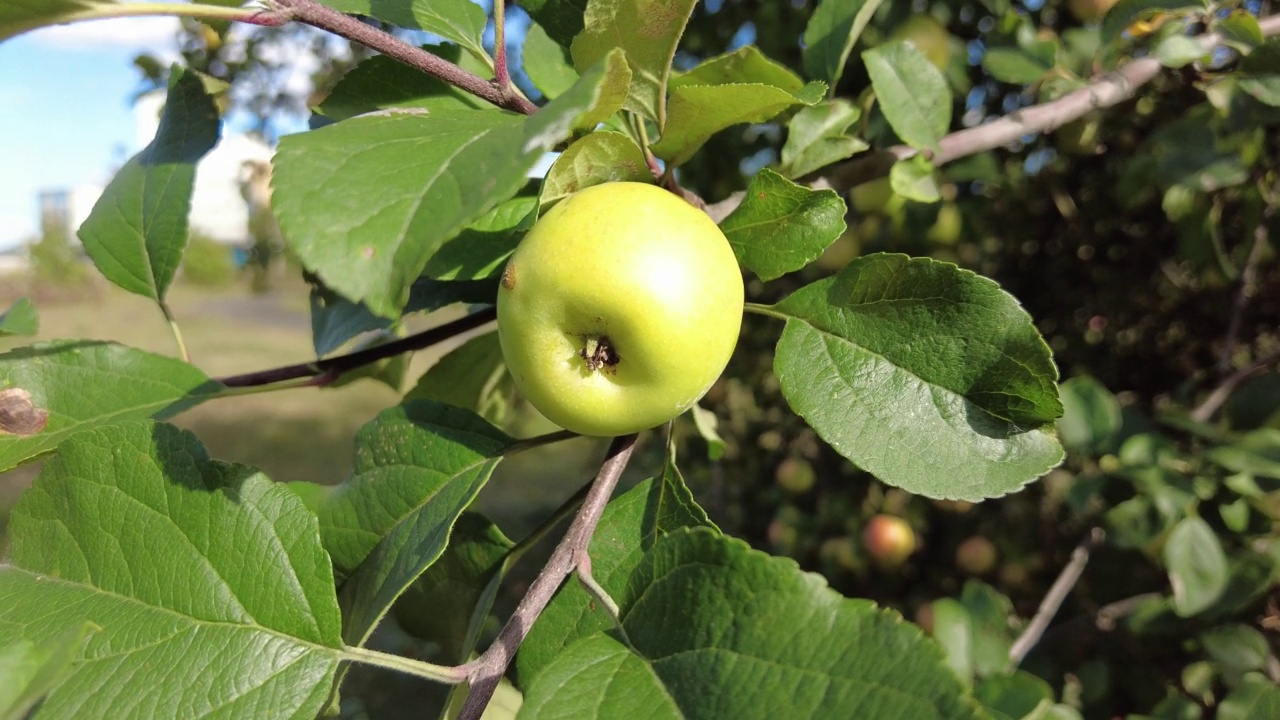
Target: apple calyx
<point x="599" y="354"/>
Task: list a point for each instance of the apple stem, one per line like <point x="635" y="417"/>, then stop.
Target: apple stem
<point x="484" y="673"/>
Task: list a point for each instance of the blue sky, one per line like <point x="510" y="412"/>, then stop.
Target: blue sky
<point x="65" y="114"/>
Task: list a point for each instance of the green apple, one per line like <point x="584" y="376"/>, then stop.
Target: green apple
<point x="1090" y="11"/>
<point x="929" y="36"/>
<point x="619" y="309"/>
<point x="889" y="541"/>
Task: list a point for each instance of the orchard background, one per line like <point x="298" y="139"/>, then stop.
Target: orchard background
<point x="892" y="427"/>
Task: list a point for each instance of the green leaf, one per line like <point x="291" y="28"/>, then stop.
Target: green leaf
<point x="473" y="377"/>
<point x="915" y="179"/>
<point x="699" y="111"/>
<point x="629" y="527"/>
<point x="1127" y="12"/>
<point x="1178" y="51"/>
<point x="714" y="629"/>
<point x="744" y="65"/>
<point x="137" y="230"/>
<point x="1012" y="65"/>
<point x="336" y="320"/>
<point x="1260" y="73"/>
<point x="953" y="629"/>
<point x="562" y="19"/>
<point x="547" y="63"/>
<point x="647" y="32"/>
<point x="418" y="466"/>
<point x="818" y="136"/>
<point x="31" y="671"/>
<point x="781" y="227"/>
<point x="458" y="21"/>
<point x="1257" y="453"/>
<point x="481" y="249"/>
<point x="73" y="385"/>
<point x="1241" y="30"/>
<point x="19" y="16"/>
<point x="450" y="602"/>
<point x="928" y="376"/>
<point x="991" y="636"/>
<point x="599" y="158"/>
<point x="1238" y="648"/>
<point x="1197" y="566"/>
<point x="1015" y="696"/>
<point x="133" y="528"/>
<point x="1090" y="415"/>
<point x="436" y="174"/>
<point x="912" y="93"/>
<point x="381" y="83"/>
<point x="20" y="319"/>
<point x="829" y="38"/>
<point x="1252" y="700"/>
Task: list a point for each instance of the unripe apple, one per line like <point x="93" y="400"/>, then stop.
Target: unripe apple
<point x="976" y="556"/>
<point x="876" y="198"/>
<point x="795" y="475"/>
<point x="889" y="541"/>
<point x="929" y="36"/>
<point x="619" y="309"/>
<point x="1090" y="11"/>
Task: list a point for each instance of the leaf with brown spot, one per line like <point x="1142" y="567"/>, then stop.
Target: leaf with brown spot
<point x="18" y="415"/>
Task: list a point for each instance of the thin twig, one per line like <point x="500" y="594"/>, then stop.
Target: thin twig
<point x="1106" y="91"/>
<point x="501" y="75"/>
<point x="486" y="671"/>
<point x="329" y="369"/>
<point x="1248" y="279"/>
<point x="1216" y="399"/>
<point x="1055" y="597"/>
<point x="313" y="13"/>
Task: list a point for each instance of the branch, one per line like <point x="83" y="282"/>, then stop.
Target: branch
<point x="486" y="671"/>
<point x="1105" y="91"/>
<point x="322" y="372"/>
<point x="1054" y="598"/>
<point x="1218" y="397"/>
<point x="1248" y="280"/>
<point x="317" y="15"/>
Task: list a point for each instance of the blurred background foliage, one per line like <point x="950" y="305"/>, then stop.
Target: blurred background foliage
<point x="1138" y="238"/>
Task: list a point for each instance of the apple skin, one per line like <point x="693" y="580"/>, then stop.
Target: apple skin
<point x="929" y="36"/>
<point x="889" y="541"/>
<point x="977" y="556"/>
<point x="632" y="268"/>
<point x="1090" y="11"/>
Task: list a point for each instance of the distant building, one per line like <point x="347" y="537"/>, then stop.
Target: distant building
<point x="218" y="207"/>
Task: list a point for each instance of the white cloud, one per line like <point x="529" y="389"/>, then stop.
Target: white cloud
<point x="156" y="34"/>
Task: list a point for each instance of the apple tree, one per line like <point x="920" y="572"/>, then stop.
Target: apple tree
<point x="871" y="169"/>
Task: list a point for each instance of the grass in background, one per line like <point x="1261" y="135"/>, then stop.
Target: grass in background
<point x="299" y="434"/>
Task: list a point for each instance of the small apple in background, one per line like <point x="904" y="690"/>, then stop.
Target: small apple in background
<point x="889" y="541"/>
<point x="929" y="36"/>
<point x="977" y="556"/>
<point x="795" y="475"/>
<point x="1090" y="11"/>
<point x="619" y="309"/>
<point x="876" y="198"/>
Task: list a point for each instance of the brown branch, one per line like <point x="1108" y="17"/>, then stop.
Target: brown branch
<point x="1055" y="597"/>
<point x="486" y="671"/>
<point x="327" y="370"/>
<point x="1248" y="281"/>
<point x="1105" y="91"/>
<point x="1216" y="399"/>
<point x="313" y="13"/>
